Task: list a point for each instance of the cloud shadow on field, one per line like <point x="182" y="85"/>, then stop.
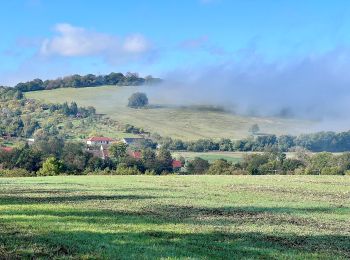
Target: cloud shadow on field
<point x="9" y="199"/>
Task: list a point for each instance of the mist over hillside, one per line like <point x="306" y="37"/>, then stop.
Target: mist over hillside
<point x="312" y="87"/>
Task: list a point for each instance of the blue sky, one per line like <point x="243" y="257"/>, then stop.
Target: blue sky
<point x="48" y="39"/>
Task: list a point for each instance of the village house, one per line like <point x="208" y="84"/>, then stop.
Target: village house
<point x="6" y="149"/>
<point x="177" y="165"/>
<point x="98" y="140"/>
<point x="30" y="141"/>
<point x="135" y="154"/>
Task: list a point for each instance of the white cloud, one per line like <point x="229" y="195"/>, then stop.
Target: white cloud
<point x="72" y="41"/>
<point x="136" y="44"/>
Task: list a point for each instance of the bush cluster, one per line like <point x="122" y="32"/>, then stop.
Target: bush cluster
<point x="275" y="163"/>
<point x="317" y="142"/>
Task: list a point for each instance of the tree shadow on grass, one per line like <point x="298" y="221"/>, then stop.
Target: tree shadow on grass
<point x="74" y="190"/>
<point x="18" y="238"/>
<point x="298" y="216"/>
<point x="161" y="244"/>
<point x="13" y="199"/>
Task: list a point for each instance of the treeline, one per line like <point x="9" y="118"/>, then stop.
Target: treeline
<point x="90" y="80"/>
<point x="71" y="109"/>
<point x="316" y="142"/>
<point x="51" y="155"/>
<point x="276" y="163"/>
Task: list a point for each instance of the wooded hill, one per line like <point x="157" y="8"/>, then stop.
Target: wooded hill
<point x="89" y="80"/>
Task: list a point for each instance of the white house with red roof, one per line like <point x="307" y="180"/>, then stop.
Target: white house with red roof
<point x="99" y="140"/>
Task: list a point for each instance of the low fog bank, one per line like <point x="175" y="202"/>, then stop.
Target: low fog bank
<point x="316" y="88"/>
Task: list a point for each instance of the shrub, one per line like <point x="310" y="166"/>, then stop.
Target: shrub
<point x="16" y="173"/>
<point x="100" y="172"/>
<point x="197" y="166"/>
<point x="150" y="172"/>
<point x="138" y="100"/>
<point x="331" y="171"/>
<point x="124" y="170"/>
<point x="299" y="171"/>
<point x="220" y="167"/>
<point x="239" y="172"/>
<point x="165" y="173"/>
<point x="311" y="171"/>
<point x="254" y="129"/>
<point x="51" y="167"/>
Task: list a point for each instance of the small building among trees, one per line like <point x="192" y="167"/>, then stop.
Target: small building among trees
<point x="176" y="164"/>
<point x="136" y="154"/>
<point x="99" y="140"/>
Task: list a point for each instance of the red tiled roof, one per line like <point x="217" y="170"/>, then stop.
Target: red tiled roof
<point x="136" y="154"/>
<point x="7" y="149"/>
<point x="99" y="139"/>
<point x="176" y="164"/>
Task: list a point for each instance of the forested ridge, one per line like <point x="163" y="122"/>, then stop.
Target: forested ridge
<point x="89" y="80"/>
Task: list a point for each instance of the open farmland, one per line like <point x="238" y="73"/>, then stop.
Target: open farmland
<point x="169" y="119"/>
<point x="175" y="217"/>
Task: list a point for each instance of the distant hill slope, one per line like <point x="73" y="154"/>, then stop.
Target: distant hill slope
<point x="169" y="120"/>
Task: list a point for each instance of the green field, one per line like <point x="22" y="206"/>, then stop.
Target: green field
<point x="165" y="117"/>
<point x="175" y="217"/>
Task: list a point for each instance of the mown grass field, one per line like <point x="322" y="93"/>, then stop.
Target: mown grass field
<point x="165" y="117"/>
<point x="175" y="217"/>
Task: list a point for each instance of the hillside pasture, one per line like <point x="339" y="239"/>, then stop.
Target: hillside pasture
<point x="168" y="118"/>
<point x="175" y="217"/>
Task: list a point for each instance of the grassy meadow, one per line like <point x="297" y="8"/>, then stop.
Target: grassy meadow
<point x="175" y="217"/>
<point x="167" y="118"/>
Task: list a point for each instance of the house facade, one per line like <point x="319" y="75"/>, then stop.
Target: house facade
<point x="99" y="140"/>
